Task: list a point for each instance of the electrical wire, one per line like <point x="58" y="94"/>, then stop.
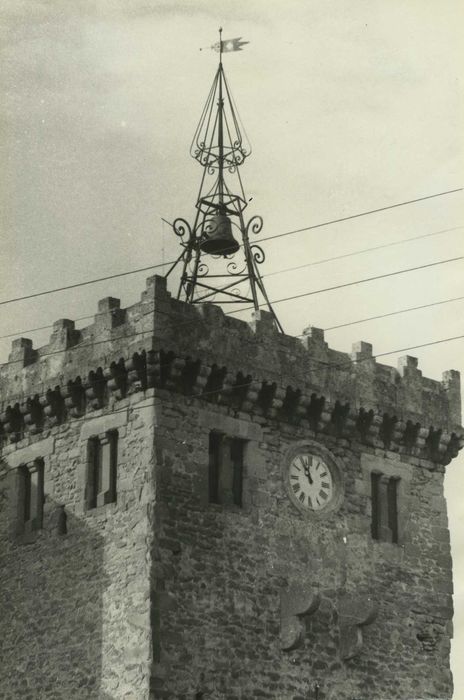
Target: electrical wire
<point x="362" y="251"/>
<point x="357" y="216"/>
<point x="159" y="311"/>
<point x="355" y="282"/>
<point x="166" y="264"/>
<point x="297" y="296"/>
<point x="350" y="362"/>
<point x="19" y="334"/>
<point x="83" y="284"/>
<point x="393" y="313"/>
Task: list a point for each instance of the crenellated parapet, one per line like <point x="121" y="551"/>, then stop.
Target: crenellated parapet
<point x="204" y="354"/>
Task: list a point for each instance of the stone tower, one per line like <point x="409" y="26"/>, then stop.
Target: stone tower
<point x="192" y="506"/>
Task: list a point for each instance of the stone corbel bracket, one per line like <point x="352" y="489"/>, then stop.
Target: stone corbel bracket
<point x="296" y="603"/>
<point x="355" y="612"/>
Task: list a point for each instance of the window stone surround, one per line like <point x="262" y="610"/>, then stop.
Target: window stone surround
<point x="390" y="468"/>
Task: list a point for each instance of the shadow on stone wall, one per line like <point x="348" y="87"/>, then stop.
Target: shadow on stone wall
<point x="51" y="589"/>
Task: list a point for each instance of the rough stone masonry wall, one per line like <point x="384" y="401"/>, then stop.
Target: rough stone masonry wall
<point x="221" y="571"/>
<point x="78" y="609"/>
<point x="75" y="608"/>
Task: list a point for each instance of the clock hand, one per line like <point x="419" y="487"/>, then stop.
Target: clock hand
<point x="308" y="475"/>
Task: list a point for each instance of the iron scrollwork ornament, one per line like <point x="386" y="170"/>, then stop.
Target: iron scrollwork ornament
<point x="203" y="270"/>
<point x="254" y="225"/>
<point x="258" y="254"/>
<point x="232" y="268"/>
<point x="182" y="228"/>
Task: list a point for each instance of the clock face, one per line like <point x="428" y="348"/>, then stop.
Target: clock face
<point x="310" y="481"/>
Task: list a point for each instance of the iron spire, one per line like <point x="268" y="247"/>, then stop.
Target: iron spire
<point x="219" y="232"/>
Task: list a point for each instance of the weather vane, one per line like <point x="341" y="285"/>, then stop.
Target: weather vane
<point x="220" y="232"/>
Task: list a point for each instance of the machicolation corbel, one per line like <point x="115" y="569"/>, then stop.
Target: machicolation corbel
<point x="315" y="409"/>
<point x="410" y="434"/>
<point x="164" y="367"/>
<point x="137" y="372"/>
<point x="13" y="423"/>
<point x="116" y="379"/>
<point x="286" y="401"/>
<point x="251" y="397"/>
<point x="74" y="398"/>
<point x="433" y="444"/>
<point x="33" y="414"/>
<point x="53" y="405"/>
<point x="455" y="444"/>
<point x="338" y="417"/>
<point x="386" y="429"/>
<point x="215" y="383"/>
<point x="95" y="388"/>
<point x="185" y="372"/>
<point x="364" y="422"/>
<point x="291" y="404"/>
<point x="239" y="389"/>
<point x="266" y="396"/>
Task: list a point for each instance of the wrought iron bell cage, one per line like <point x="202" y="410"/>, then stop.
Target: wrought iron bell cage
<point x="230" y="275"/>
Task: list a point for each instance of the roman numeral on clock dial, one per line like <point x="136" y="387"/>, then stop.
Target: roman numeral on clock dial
<point x="311" y="481"/>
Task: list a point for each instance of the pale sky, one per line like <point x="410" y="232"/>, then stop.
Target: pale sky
<point x="349" y="106"/>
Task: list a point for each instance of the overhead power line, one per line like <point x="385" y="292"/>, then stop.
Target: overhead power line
<point x="82" y="284"/>
<point x="393" y="313"/>
<point x="22" y="333"/>
<point x="298" y="296"/>
<point x="304" y="294"/>
<point x="166" y="264"/>
<point x="190" y="321"/>
<point x="355" y="282"/>
<point x="362" y="251"/>
<point x="348" y="363"/>
<point x="422" y="345"/>
<point x="357" y="216"/>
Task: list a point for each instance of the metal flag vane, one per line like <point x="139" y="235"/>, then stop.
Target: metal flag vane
<point x="220" y="146"/>
<point x="226" y="45"/>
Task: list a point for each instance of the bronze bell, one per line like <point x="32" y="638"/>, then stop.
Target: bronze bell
<point x="217" y="236"/>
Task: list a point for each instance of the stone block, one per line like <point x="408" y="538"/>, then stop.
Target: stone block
<point x="361" y="350"/>
<point x="21" y="352"/>
<point x="297" y="602"/>
<point x="355" y="611"/>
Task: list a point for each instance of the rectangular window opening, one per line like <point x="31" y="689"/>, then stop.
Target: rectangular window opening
<point x="32" y="495"/>
<point x="102" y="460"/>
<point x="375" y="520"/>
<point x="236" y="454"/>
<point x="384" y="506"/>
<point x="392" y="498"/>
<point x="215" y="450"/>
<point x="225" y="469"/>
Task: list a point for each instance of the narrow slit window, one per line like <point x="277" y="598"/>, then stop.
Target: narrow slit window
<point x="375" y="521"/>
<point x="225" y="469"/>
<point x="102" y="458"/>
<point x="32" y="495"/>
<point x="384" y="507"/>
<point x="392" y="498"/>
<point x="236" y="453"/>
<point x="215" y="449"/>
